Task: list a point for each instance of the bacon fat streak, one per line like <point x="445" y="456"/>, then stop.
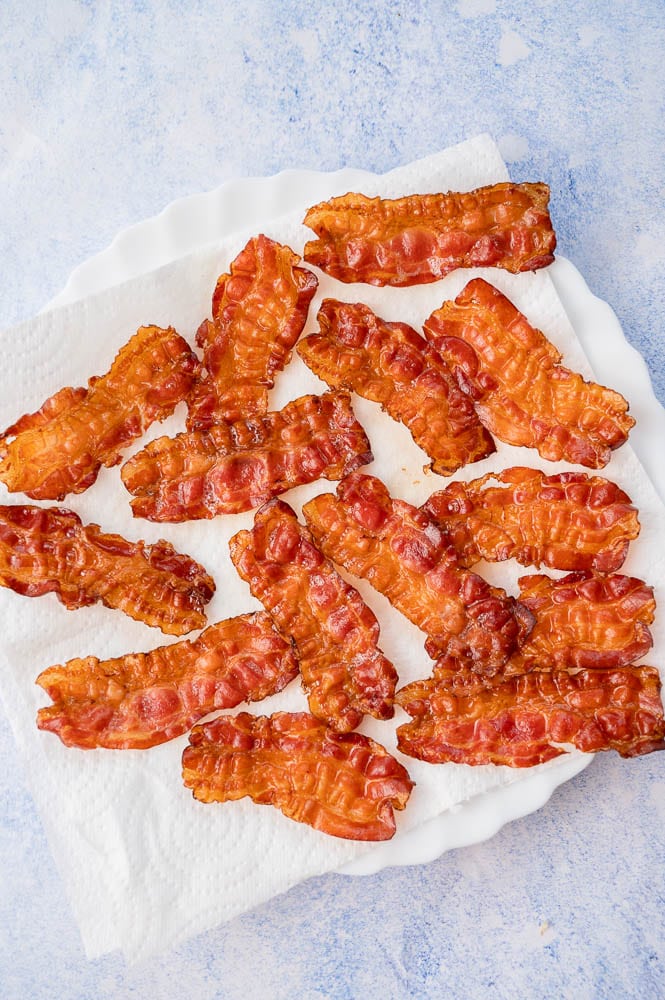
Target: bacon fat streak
<point x="344" y="673"/>
<point x="235" y="467"/>
<point x="522" y="721"/>
<point x="61" y="448"/>
<point x="50" y="551"/>
<point x="139" y="700"/>
<point x="408" y="558"/>
<point x="523" y="395"/>
<point x="568" y="521"/>
<point x="421" y="238"/>
<point x="391" y="364"/>
<point x="259" y="311"/>
<point x="345" y="785"/>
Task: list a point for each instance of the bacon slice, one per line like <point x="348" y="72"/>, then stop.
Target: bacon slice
<point x="61" y="448"/>
<point x="522" y="394"/>
<point x="345" y="785"/>
<point x="406" y="557"/>
<point x="421" y="238"/>
<point x="344" y="672"/>
<point x="522" y="721"/>
<point x="391" y="364"/>
<point x="139" y="700"/>
<point x="235" y="467"/>
<point x="584" y="620"/>
<point x="259" y="311"/>
<point x="567" y="521"/>
<point x="49" y="550"/>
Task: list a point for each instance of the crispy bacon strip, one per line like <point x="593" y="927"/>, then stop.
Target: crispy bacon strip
<point x="522" y="394"/>
<point x="421" y="238"/>
<point x="345" y="785"/>
<point x="405" y="556"/>
<point x="46" y="551"/>
<point x="584" y="620"/>
<point x="391" y="364"/>
<point x="344" y="672"/>
<point x="139" y="700"/>
<point x="521" y="721"/>
<point x="567" y="521"/>
<point x="235" y="467"/>
<point x="61" y="448"/>
<point x="259" y="311"/>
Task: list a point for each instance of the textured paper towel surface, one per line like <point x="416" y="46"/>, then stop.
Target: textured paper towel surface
<point x="145" y="865"/>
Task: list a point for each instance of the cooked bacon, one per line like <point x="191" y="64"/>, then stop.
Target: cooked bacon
<point x="139" y="700"/>
<point x="522" y="721"/>
<point x="409" y="559"/>
<point x="235" y="467"/>
<point x="422" y="237"/>
<point x="522" y="394"/>
<point x="344" y="672"/>
<point x="49" y="550"/>
<point x="567" y="521"/>
<point x="61" y="448"/>
<point x="584" y="620"/>
<point x="345" y="785"/>
<point x="259" y="311"/>
<point x="391" y="364"/>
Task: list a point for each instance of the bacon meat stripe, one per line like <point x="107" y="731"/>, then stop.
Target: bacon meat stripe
<point x="344" y="673"/>
<point x="139" y="700"/>
<point x="408" y="558"/>
<point x="523" y="395"/>
<point x="569" y="521"/>
<point x="585" y="620"/>
<point x="345" y="785"/>
<point x="393" y="365"/>
<point x="422" y="237"/>
<point x="523" y="721"/>
<point x="50" y="551"/>
<point x="235" y="467"/>
<point x="259" y="310"/>
<point x="61" y="448"/>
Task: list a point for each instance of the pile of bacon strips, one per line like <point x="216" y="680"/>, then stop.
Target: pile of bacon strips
<point x="514" y="681"/>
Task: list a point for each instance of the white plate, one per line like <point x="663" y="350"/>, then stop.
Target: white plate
<point x="190" y="223"/>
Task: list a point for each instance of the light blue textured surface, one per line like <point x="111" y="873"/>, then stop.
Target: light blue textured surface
<point x="109" y="111"/>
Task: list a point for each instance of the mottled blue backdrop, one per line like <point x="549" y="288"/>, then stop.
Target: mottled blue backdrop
<point x="111" y="110"/>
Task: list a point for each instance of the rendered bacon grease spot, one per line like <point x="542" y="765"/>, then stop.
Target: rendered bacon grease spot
<point x="61" y="448"/>
<point x="408" y="558"/>
<point x="345" y="785"/>
<point x="521" y="392"/>
<point x="139" y="700"/>
<point x="46" y="551"/>
<point x="344" y="673"/>
<point x="522" y="721"/>
<point x="391" y="364"/>
<point x="421" y="238"/>
<point x="235" y="467"/>
<point x="584" y="620"/>
<point x="259" y="310"/>
<point x="568" y="521"/>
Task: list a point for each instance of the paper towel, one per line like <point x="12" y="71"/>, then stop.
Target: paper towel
<point x="145" y="866"/>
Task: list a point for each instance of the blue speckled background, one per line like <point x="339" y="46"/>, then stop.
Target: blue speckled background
<point x="109" y="111"/>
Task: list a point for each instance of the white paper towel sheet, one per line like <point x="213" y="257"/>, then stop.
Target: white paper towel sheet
<point x="145" y="866"/>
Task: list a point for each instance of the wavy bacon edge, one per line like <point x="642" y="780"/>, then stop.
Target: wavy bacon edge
<point x="345" y="785"/>
<point x="421" y="238"/>
<point x="233" y="468"/>
<point x="49" y="550"/>
<point x="61" y="448"/>
<point x="140" y="700"/>
<point x="344" y="673"/>
<point x="391" y="364"/>
<point x="569" y="521"/>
